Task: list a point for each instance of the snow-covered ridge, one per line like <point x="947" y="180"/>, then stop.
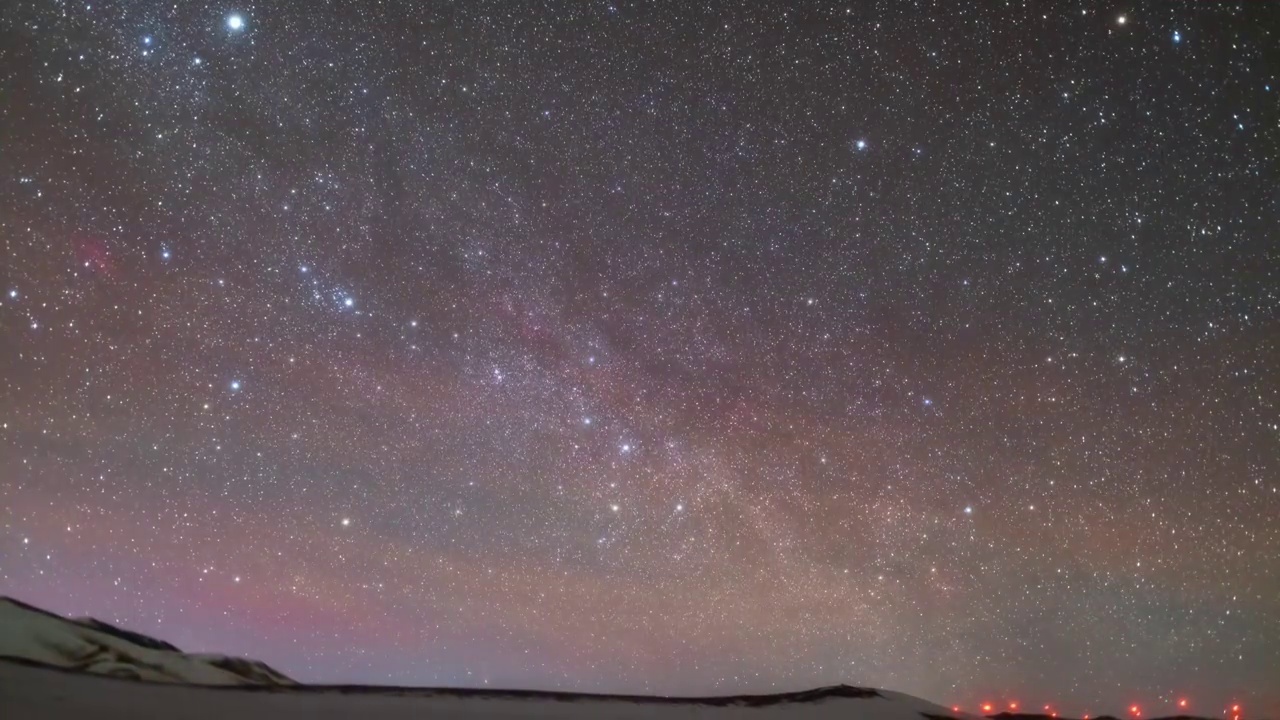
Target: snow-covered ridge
<point x="89" y="645"/>
<point x="52" y="667"/>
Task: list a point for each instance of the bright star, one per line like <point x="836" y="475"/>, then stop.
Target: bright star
<point x="1177" y="36"/>
<point x="13" y="293"/>
<point x="862" y="144"/>
<point x="146" y="40"/>
<point x="968" y="510"/>
<point x="235" y="21"/>
<point x="348" y="302"/>
<point x="1122" y="20"/>
<point x="235" y="385"/>
<point x="346" y="522"/>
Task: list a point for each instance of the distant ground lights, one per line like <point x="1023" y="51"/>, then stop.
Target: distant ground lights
<point x="1231" y="712"/>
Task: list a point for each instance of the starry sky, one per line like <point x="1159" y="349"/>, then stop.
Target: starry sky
<point x="651" y="346"/>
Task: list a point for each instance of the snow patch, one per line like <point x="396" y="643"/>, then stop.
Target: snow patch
<point x="92" y="646"/>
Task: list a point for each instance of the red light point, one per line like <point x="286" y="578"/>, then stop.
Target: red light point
<point x="1013" y="705"/>
<point x="986" y="707"/>
<point x="1135" y="710"/>
<point x="1235" y="708"/>
<point x="955" y="708"/>
<point x="1182" y="703"/>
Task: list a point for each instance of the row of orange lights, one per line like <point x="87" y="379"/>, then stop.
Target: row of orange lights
<point x="1134" y="710"/>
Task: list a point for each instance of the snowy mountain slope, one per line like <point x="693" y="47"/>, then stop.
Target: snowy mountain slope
<point x="92" y="646"/>
<point x="54" y="667"/>
<point x="29" y="691"/>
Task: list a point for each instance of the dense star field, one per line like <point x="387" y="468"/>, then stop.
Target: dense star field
<point x="653" y="347"/>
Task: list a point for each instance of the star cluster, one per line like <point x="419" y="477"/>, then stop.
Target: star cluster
<point x="653" y="347"/>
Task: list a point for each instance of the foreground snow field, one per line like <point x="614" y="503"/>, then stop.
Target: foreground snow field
<point x="53" y="667"/>
<point x="29" y="692"/>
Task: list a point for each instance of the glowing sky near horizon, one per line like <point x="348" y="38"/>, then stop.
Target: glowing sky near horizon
<point x="653" y="347"/>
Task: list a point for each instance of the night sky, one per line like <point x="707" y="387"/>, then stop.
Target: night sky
<point x="653" y="347"/>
